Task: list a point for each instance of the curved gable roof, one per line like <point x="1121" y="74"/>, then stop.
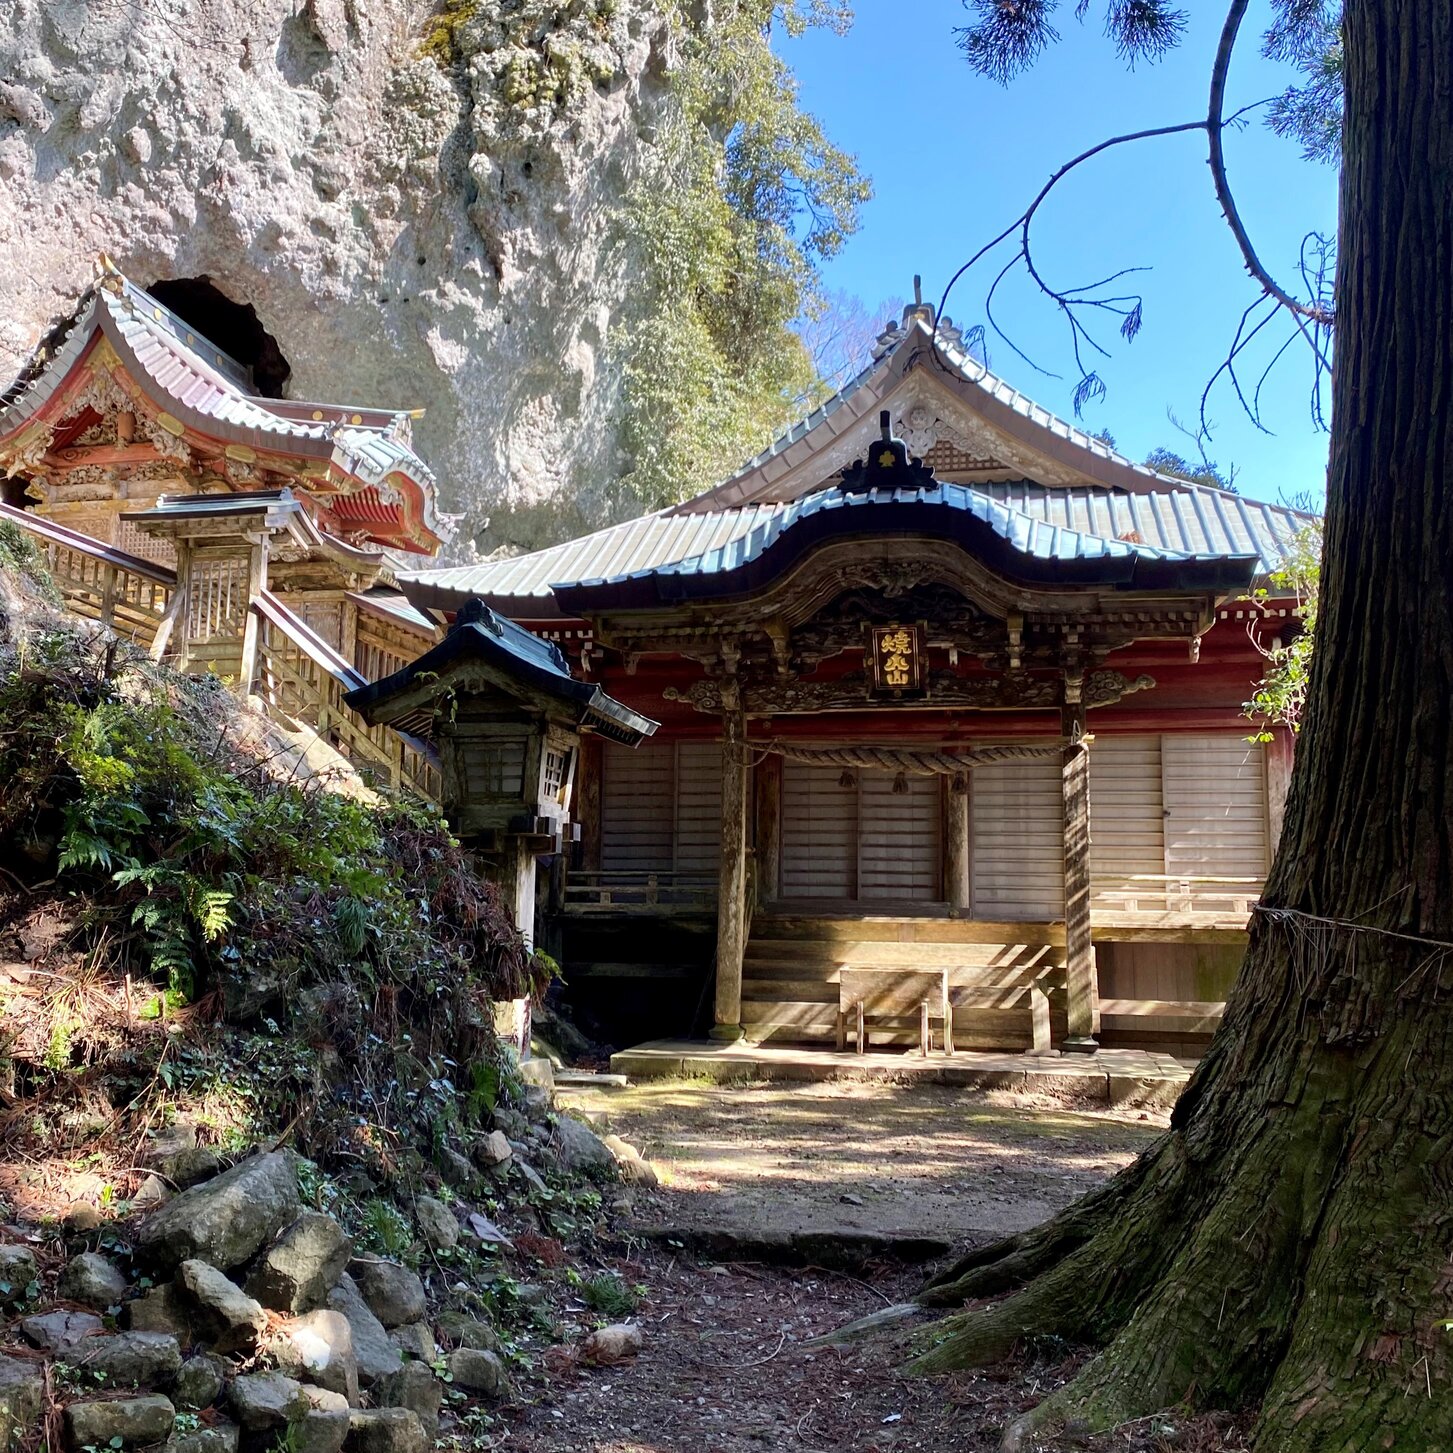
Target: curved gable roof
<point x="199" y="387"/>
<point x="920" y="361"/>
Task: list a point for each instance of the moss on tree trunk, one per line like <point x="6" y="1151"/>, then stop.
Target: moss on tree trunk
<point x="1287" y="1246"/>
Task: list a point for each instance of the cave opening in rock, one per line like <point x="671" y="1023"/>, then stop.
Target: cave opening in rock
<point x="234" y="327"/>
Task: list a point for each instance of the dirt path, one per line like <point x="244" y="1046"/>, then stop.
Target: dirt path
<point x="725" y="1368"/>
<point x="909" y="1160"/>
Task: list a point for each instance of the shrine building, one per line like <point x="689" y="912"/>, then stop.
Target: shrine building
<point x="947" y="688"/>
<point x="132" y="431"/>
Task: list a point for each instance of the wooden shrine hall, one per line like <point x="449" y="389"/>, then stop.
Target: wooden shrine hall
<point x="947" y="689"/>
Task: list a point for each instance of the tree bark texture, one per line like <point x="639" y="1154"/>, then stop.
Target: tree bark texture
<point x="1287" y="1245"/>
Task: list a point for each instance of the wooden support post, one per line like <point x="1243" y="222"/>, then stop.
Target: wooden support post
<point x="1079" y="950"/>
<point x="768" y="783"/>
<point x="1039" y="1022"/>
<point x="108" y="595"/>
<point x="175" y="613"/>
<point x="252" y="622"/>
<point x="520" y="864"/>
<point x="587" y="801"/>
<point x="956" y="847"/>
<point x="348" y="632"/>
<point x="1279" y="753"/>
<point x="731" y="914"/>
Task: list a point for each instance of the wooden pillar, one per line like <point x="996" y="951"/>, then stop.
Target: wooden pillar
<point x="1279" y="753"/>
<point x="252" y="622"/>
<point x="956" y="845"/>
<point x="520" y="865"/>
<point x="587" y="800"/>
<point x="731" y="914"/>
<point x="768" y="783"/>
<point x="1082" y="991"/>
<point x="348" y="632"/>
<point x="176" y="614"/>
<point x="108" y="596"/>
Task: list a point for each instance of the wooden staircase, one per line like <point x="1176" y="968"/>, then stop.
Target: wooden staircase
<point x="1002" y="976"/>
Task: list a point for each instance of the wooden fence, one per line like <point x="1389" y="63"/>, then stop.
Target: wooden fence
<point x="302" y="679"/>
<point x="102" y="583"/>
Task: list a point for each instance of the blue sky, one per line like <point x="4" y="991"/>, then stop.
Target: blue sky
<point x="954" y="158"/>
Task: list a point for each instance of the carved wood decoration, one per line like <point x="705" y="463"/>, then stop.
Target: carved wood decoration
<point x="946" y="689"/>
<point x="894" y="569"/>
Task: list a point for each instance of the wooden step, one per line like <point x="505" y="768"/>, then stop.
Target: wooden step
<point x="768" y="953"/>
<point x="889" y="929"/>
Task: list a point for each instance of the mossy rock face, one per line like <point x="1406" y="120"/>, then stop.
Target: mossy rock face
<point x="135" y="1421"/>
<point x="226" y="1220"/>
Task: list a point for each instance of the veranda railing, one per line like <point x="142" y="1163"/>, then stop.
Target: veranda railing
<point x="101" y="583"/>
<point x="301" y="678"/>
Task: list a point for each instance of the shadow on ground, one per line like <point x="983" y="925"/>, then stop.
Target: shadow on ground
<point x="913" y="1160"/>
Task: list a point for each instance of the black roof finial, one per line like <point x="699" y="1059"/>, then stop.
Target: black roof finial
<point x="888" y="465"/>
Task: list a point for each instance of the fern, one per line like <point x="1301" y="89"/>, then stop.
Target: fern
<point x="350" y="922"/>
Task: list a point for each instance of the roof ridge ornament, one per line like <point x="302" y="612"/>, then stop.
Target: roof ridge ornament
<point x="943" y="328"/>
<point x="888" y="466"/>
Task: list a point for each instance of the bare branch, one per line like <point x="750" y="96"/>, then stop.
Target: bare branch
<point x="1215" y="128"/>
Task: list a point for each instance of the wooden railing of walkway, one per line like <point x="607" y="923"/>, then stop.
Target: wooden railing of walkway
<point x="300" y="679"/>
<point x="101" y="583"/>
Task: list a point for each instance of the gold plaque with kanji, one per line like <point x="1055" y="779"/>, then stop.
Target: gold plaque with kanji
<point x="896" y="667"/>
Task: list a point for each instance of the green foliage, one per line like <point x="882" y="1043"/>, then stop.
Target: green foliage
<point x="1281" y="695"/>
<point x="1167" y="461"/>
<point x="384" y="1230"/>
<point x="19" y="553"/>
<point x="743" y="197"/>
<point x="606" y="1293"/>
<point x="351" y="947"/>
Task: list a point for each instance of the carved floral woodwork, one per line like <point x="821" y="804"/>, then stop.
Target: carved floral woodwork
<point x="946" y="689"/>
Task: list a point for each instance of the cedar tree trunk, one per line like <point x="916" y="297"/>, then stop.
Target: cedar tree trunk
<point x="1286" y="1247"/>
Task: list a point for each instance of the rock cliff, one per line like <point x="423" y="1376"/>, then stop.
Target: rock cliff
<point x="421" y="212"/>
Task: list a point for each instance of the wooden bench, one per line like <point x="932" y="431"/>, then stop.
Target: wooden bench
<point x="895" y="994"/>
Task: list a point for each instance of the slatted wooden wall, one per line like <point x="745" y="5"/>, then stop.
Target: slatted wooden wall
<point x="698" y="807"/>
<point x="819" y="833"/>
<point x="898" y="839"/>
<point x="1017" y="841"/>
<point x="1216" y="823"/>
<point x="636" y="807"/>
<point x="1127" y="827"/>
<point x="660" y="807"/>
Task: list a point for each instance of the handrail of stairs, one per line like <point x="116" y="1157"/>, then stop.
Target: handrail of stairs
<point x="54" y="534"/>
<point x="136" y="598"/>
<point x="302" y="678"/>
<point x="299" y="676"/>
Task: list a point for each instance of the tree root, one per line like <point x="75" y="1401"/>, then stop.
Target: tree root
<point x="987" y="1271"/>
<point x="1051" y="1306"/>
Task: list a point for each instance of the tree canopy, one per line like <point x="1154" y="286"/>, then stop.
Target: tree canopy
<point x="742" y="201"/>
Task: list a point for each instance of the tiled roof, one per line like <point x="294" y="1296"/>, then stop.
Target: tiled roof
<point x="1192" y="521"/>
<point x="536" y="663"/>
<point x="208" y="391"/>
